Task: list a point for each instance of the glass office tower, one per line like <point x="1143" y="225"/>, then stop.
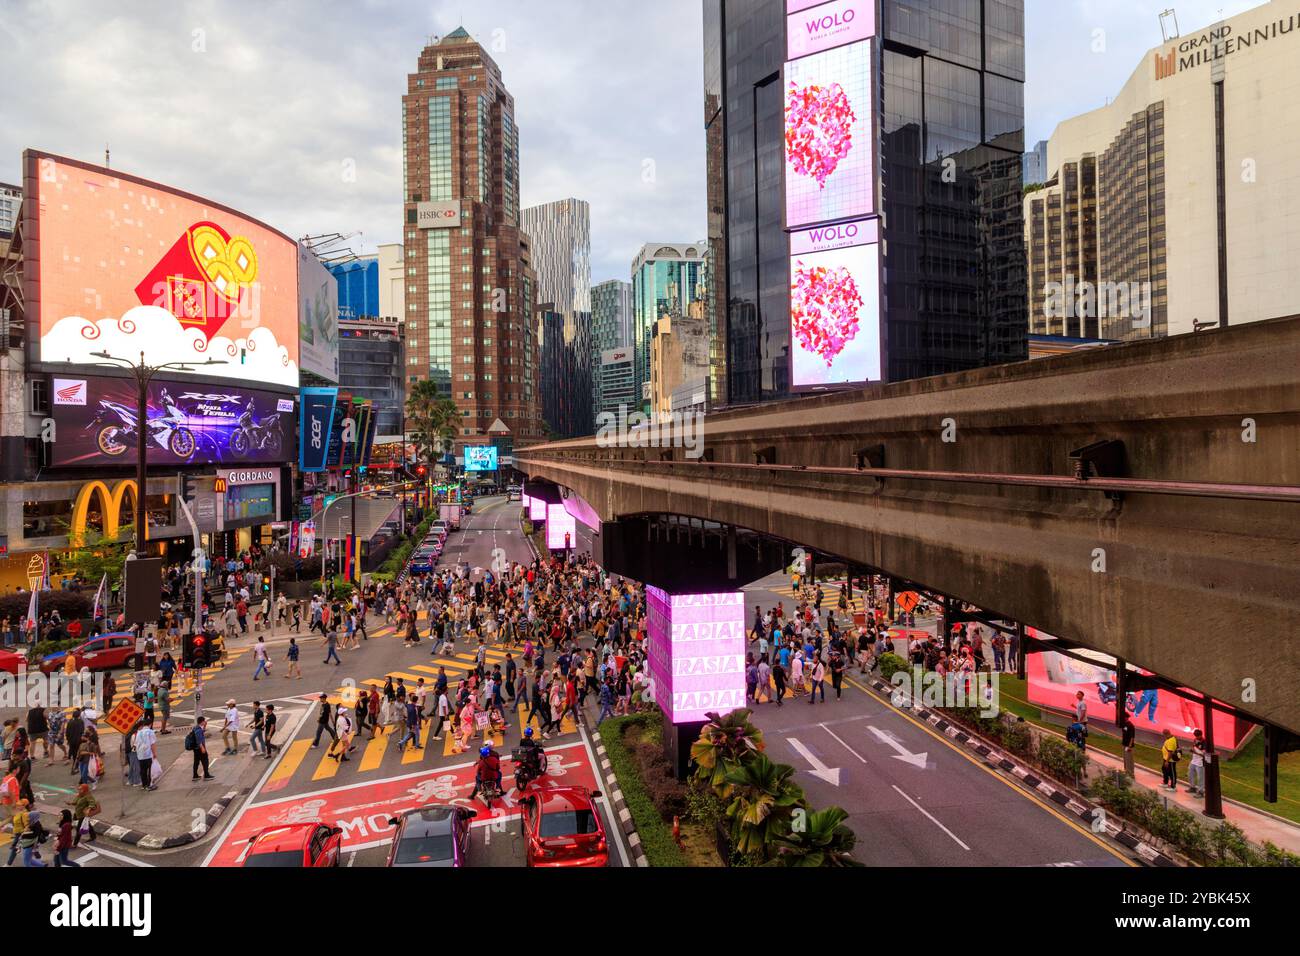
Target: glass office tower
<point x="951" y="134"/>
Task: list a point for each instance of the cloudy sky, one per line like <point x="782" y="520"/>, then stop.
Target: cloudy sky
<point x="268" y="105"/>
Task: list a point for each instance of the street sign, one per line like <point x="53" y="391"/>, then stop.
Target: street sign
<point x="124" y="715"/>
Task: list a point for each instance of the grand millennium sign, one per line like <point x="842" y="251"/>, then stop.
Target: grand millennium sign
<point x="1216" y="44"/>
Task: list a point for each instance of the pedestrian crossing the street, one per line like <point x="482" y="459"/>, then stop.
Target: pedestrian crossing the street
<point x="381" y="752"/>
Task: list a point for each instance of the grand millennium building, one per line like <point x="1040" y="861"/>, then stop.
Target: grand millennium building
<point x="1182" y="194"/>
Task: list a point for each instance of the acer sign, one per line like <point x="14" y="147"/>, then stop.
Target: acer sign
<point x="696" y="648"/>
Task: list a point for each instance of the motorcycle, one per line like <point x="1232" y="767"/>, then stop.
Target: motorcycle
<point x="260" y="436"/>
<point x="115" y="430"/>
<point x="530" y="765"/>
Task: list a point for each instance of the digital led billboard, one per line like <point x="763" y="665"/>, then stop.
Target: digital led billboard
<point x="95" y="423"/>
<point x="536" y="510"/>
<point x="810" y="29"/>
<point x="696" y="650"/>
<point x="835" y="304"/>
<point x="126" y="266"/>
<point x="480" y="458"/>
<point x="318" y="317"/>
<point x="1053" y="679"/>
<point x="561" y="529"/>
<point x="830" y="170"/>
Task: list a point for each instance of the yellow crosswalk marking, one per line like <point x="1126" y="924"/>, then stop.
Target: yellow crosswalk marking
<point x="327" y="767"/>
<point x="374" y="755"/>
<point x="290" y="761"/>
<point x="416" y="754"/>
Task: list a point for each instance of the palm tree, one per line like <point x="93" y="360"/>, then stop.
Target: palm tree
<point x="823" y="840"/>
<point x="763" y="797"/>
<point x="724" y="743"/>
<point x="432" y="419"/>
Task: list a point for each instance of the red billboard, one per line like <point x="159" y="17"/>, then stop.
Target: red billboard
<point x="118" y="264"/>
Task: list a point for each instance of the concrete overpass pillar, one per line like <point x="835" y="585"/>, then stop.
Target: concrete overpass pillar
<point x="696" y="650"/>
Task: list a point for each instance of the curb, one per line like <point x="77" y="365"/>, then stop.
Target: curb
<point x="1066" y="800"/>
<point x="149" y="841"/>
<point x="616" y="801"/>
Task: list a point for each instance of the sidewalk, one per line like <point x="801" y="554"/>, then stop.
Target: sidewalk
<point x="181" y="810"/>
<point x="1256" y="825"/>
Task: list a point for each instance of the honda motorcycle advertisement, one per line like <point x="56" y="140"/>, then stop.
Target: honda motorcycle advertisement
<point x="187" y="424"/>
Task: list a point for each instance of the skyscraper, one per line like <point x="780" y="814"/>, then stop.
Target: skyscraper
<point x="560" y="237"/>
<point x="944" y="127"/>
<point x="666" y="279"/>
<point x="611" y="330"/>
<point x="469" y="324"/>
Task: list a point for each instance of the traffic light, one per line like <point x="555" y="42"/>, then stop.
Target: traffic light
<point x="187" y="488"/>
<point x="421" y="470"/>
<point x="197" y="644"/>
<point x="187" y="650"/>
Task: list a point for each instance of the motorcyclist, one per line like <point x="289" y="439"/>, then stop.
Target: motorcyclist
<point x="487" y="768"/>
<point x="532" y="753"/>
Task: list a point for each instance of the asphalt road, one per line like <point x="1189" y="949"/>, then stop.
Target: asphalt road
<point x="380" y="780"/>
<point x="914" y="798"/>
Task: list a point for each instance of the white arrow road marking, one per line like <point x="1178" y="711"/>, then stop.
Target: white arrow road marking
<point x="905" y="755"/>
<point x="830" y="774"/>
<point x="931" y="818"/>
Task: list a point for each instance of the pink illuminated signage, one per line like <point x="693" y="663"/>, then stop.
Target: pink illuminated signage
<point x="536" y="509"/>
<point x="1053" y="680"/>
<point x="582" y="511"/>
<point x="830" y="168"/>
<point x="835" y="305"/>
<point x="812" y="29"/>
<point x="696" y="649"/>
<point x="561" y="529"/>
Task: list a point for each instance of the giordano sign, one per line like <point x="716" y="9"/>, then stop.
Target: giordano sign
<point x="1218" y="43"/>
<point x="110" y="508"/>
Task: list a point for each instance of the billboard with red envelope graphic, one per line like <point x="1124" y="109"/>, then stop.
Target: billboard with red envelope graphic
<point x="127" y="266"/>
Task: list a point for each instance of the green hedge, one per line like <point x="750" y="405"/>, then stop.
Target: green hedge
<point x="397" y="558"/>
<point x="656" y="835"/>
<point x="890" y="664"/>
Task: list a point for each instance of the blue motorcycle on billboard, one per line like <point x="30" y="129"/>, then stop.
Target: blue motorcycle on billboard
<point x="185" y="424"/>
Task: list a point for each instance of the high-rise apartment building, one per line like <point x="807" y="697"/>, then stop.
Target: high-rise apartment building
<point x="666" y="278"/>
<point x="468" y="321"/>
<point x="560" y="237"/>
<point x="1199" y="145"/>
<point x="943" y="123"/>
<point x="1034" y="164"/>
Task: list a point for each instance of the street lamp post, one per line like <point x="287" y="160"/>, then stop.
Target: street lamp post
<point x="143" y="374"/>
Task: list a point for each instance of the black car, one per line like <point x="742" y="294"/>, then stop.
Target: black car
<point x="436" y="835"/>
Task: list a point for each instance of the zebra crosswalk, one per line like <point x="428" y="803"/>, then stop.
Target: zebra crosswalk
<point x="381" y="752"/>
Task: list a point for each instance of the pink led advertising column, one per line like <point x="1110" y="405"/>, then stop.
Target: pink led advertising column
<point x="697" y="652"/>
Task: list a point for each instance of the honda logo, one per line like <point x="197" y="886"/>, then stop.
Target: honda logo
<point x="70" y="391"/>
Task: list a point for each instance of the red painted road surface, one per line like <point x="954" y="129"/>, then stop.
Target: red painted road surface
<point x="362" y="809"/>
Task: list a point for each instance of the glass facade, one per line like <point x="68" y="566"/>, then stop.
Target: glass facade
<point x="439" y="311"/>
<point x="666" y="279"/>
<point x="370" y="366"/>
<point x="358" y="287"/>
<point x="951" y="138"/>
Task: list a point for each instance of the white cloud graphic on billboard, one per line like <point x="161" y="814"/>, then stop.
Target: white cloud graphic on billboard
<point x="257" y="358"/>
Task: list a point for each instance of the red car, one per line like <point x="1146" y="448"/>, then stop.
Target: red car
<point x="295" y="844"/>
<point x="563" y="828"/>
<point x="9" y="661"/>
<point x="101" y="653"/>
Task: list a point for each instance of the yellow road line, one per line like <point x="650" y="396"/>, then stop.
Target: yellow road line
<point x="374" y="755"/>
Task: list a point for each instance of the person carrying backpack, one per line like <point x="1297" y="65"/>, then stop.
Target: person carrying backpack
<point x="197" y="743"/>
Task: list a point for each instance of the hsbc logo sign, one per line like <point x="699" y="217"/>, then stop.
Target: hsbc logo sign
<point x="438" y="215"/>
<point x="69" y="391"/>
